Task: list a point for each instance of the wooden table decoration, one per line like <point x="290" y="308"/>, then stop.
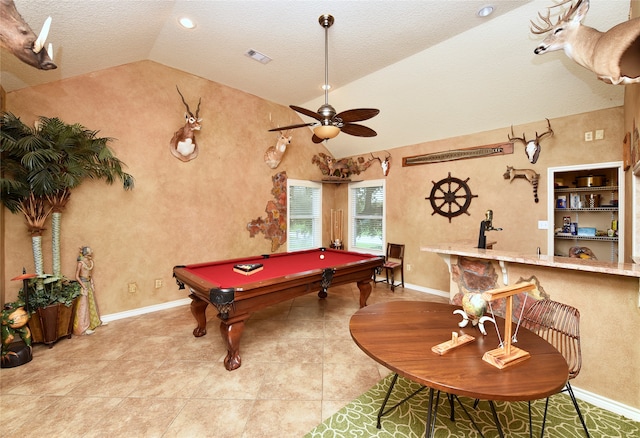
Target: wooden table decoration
<point x="455" y="342"/>
<point x="506" y="355"/>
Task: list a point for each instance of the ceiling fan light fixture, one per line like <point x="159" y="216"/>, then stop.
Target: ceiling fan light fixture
<point x="326" y="131"/>
<point x="328" y="122"/>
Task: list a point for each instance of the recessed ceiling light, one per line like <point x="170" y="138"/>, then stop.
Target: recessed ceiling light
<point x="187" y="23"/>
<point x="485" y="11"/>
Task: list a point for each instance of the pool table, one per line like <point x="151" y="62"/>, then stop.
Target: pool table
<point x="283" y="276"/>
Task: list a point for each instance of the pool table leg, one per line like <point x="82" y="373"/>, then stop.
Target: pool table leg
<point x="198" y="310"/>
<point x="365" y="291"/>
<point x="231" y="332"/>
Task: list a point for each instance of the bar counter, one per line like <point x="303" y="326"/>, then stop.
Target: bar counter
<point x="464" y="249"/>
<point x="606" y="294"/>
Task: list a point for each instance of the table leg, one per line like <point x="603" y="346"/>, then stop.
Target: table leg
<point x="431" y="419"/>
<point x="495" y="418"/>
<point x="365" y="291"/>
<point x="231" y="332"/>
<point x="198" y="310"/>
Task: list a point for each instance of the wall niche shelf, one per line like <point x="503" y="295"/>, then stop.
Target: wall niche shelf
<point x="597" y="210"/>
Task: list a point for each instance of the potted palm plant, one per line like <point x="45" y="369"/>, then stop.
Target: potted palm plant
<point x="39" y="168"/>
<point x="53" y="307"/>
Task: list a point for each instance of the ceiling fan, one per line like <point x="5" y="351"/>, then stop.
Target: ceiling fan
<point x="329" y="123"/>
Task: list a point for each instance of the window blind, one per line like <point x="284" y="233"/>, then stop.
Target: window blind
<point x="305" y="215"/>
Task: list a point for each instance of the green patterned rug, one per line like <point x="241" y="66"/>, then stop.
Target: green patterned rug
<point x="358" y="418"/>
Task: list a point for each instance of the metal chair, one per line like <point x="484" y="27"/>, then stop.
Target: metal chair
<point x="393" y="260"/>
<point x="558" y="324"/>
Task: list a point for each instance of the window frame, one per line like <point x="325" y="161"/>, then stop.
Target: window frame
<point x="352" y="216"/>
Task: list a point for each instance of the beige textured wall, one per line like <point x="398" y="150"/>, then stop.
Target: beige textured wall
<point x="178" y="213"/>
<point x="183" y="213"/>
<point x="409" y="214"/>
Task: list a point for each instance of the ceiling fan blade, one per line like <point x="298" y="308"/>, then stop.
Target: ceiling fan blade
<point x="358" y="130"/>
<point x="357" y="115"/>
<point x="316" y="139"/>
<point x="284" y="128"/>
<point x="306" y="112"/>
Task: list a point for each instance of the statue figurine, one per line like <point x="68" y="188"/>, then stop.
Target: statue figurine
<point x="87" y="317"/>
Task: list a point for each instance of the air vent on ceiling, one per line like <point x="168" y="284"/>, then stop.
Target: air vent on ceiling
<point x="260" y="57"/>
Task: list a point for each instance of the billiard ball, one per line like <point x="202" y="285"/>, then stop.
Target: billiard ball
<point x="321" y="256"/>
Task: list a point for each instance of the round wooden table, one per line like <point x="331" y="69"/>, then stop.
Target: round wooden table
<point x="400" y="335"/>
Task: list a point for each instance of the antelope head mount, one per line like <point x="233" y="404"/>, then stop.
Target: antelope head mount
<point x="273" y="155"/>
<point x="17" y="37"/>
<point x="531" y="147"/>
<point x="385" y="164"/>
<point x="614" y="56"/>
<point x="183" y="145"/>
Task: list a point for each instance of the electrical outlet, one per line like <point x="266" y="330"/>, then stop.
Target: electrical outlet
<point x="543" y="225"/>
<point x="408" y="267"/>
<point x="599" y="134"/>
<point x="133" y="288"/>
<point x="588" y="136"/>
<point x="158" y="283"/>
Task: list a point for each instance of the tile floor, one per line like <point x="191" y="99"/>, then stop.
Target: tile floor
<point x="147" y="376"/>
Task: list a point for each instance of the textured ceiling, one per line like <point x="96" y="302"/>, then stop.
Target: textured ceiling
<point x="433" y="68"/>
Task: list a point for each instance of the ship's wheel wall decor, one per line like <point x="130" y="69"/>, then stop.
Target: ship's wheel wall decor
<point x="451" y="197"/>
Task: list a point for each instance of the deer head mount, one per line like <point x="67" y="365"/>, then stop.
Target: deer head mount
<point x="531" y="147"/>
<point x="17" y="37"/>
<point x="614" y="56"/>
<point x="273" y="155"/>
<point x="183" y="145"/>
<point x="385" y="164"/>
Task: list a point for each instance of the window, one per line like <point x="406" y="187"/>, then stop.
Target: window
<point x="367" y="216"/>
<point x="304" y="212"/>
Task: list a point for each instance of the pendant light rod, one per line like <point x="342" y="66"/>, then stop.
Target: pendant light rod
<point x="326" y="21"/>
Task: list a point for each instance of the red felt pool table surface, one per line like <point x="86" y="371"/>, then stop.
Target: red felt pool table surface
<point x="278" y="265"/>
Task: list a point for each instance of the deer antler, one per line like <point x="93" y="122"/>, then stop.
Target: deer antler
<point x="187" y="105"/>
<point x="544" y="134"/>
<point x="198" y="109"/>
<point x="548" y="25"/>
<point x="513" y="138"/>
<point x="184" y="102"/>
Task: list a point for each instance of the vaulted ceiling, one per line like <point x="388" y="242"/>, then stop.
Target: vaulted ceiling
<point x="433" y="68"/>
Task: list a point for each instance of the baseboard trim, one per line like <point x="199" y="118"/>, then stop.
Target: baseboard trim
<point x="420" y="288"/>
<point x="427" y="290"/>
<point x="608" y="404"/>
<point x="589" y="397"/>
<point x="145" y="310"/>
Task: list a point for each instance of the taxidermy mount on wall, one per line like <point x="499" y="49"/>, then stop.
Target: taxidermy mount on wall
<point x="342" y="168"/>
<point x="273" y="155"/>
<point x="613" y="55"/>
<point x="385" y="164"/>
<point x="183" y="145"/>
<point x="531" y="147"/>
<point x="17" y="37"/>
<point x="528" y="174"/>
